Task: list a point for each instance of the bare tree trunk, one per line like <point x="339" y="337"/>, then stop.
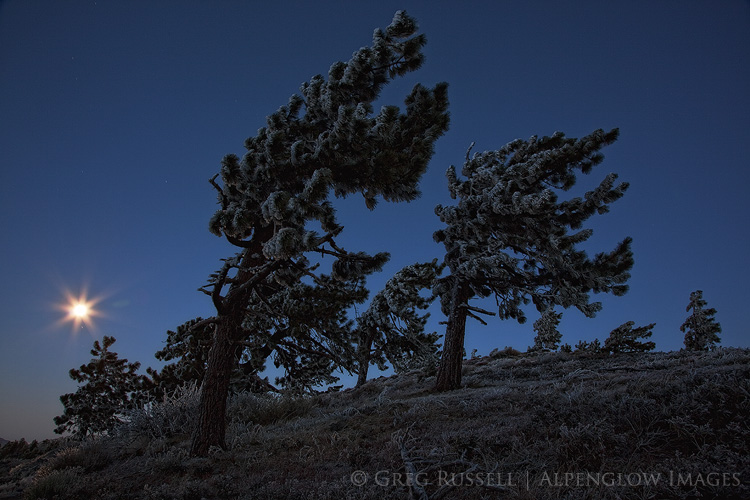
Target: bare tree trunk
<point x="449" y="372"/>
<point x="222" y="359"/>
<point x="211" y="427"/>
<point x="363" y="358"/>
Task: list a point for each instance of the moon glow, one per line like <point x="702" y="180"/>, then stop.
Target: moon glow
<point x="80" y="311"/>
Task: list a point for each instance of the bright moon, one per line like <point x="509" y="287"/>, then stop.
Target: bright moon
<point x="80" y="310"/>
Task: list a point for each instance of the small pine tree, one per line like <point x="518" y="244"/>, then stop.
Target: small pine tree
<point x="700" y="328"/>
<point x="624" y="338"/>
<point x="391" y="329"/>
<point x="592" y="347"/>
<point x="547" y="336"/>
<point x="110" y="386"/>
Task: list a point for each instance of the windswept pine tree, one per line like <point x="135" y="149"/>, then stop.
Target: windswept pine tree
<point x="509" y="236"/>
<point x="326" y="141"/>
<point x="700" y="328"/>
<point x="625" y="338"/>
<point x="392" y="329"/>
<point x="110" y="386"/>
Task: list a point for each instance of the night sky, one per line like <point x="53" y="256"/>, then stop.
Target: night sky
<point x="114" y="115"/>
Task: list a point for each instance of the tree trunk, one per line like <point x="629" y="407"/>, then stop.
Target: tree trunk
<point x="449" y="372"/>
<point x="363" y="358"/>
<point x="211" y="427"/>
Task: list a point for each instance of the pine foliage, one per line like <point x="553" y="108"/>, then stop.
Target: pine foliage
<point x="392" y="327"/>
<point x="309" y="329"/>
<point x="593" y="347"/>
<point x="187" y="348"/>
<point x="510" y="237"/>
<point x="625" y="338"/>
<point x="110" y="387"/>
<point x="701" y="328"/>
<point x="327" y="140"/>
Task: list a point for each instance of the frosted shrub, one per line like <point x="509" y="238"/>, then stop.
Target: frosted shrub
<point x="264" y="409"/>
<point x="55" y="484"/>
<point x="175" y="414"/>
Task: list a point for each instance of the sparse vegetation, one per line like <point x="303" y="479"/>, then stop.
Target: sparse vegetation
<point x="529" y="415"/>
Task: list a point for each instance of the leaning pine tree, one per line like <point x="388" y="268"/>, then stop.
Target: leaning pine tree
<point x="269" y="298"/>
<point x="625" y="338"/>
<point x="509" y="236"/>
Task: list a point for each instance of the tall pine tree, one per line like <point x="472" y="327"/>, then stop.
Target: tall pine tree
<point x="327" y="141"/>
<point x="509" y="236"/>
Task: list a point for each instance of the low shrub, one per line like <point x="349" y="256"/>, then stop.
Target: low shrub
<point x="262" y="409"/>
<point x="176" y="414"/>
<point x="59" y="484"/>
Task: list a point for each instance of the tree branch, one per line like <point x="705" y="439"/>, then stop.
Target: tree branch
<point x="477" y="309"/>
<point x="264" y="271"/>
<point x="296" y="347"/>
<point x="417" y="491"/>
<point x="471" y="314"/>
<point x="238" y="242"/>
<point x="208" y="321"/>
<point x="222" y="196"/>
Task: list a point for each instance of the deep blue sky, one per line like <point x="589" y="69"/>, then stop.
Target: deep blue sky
<point x="114" y="115"/>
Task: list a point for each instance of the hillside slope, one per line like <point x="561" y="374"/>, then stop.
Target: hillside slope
<point x="544" y="426"/>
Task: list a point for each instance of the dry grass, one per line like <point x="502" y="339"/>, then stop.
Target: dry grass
<point x="541" y="426"/>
